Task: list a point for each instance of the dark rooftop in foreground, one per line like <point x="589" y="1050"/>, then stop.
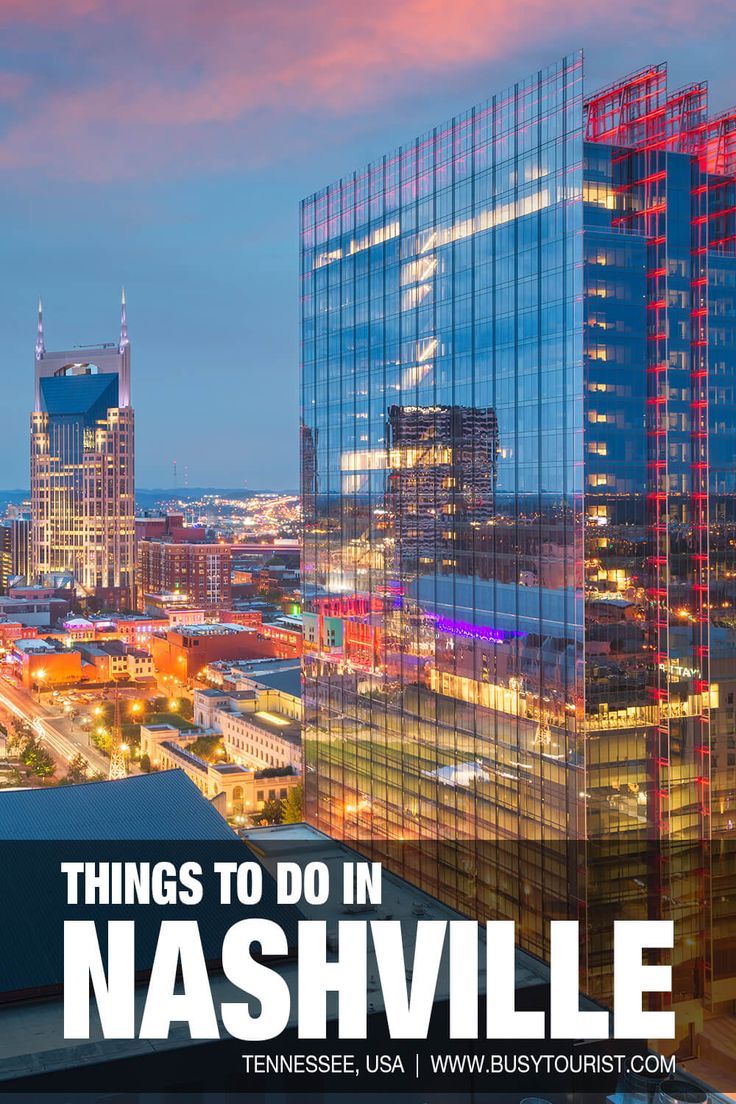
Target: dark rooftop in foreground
<point x="163" y="815"/>
<point x="161" y="806"/>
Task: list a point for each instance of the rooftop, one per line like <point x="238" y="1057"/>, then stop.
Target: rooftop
<point x="400" y="899"/>
<point x="229" y="768"/>
<point x="255" y="667"/>
<point x="72" y="623"/>
<point x="148" y="809"/>
<point x="188" y="546"/>
<point x="144" y="807"/>
<point x="104" y="648"/>
<point x="276" y="674"/>
<point x="32" y="1043"/>
<point x="186" y="756"/>
<point x="130" y="618"/>
<point x="288" y="681"/>
<point x="12" y="601"/>
<point x="38" y="646"/>
<point x="272" y="722"/>
<point x="210" y="628"/>
<point x="287" y="621"/>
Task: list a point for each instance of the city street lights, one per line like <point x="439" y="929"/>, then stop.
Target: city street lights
<point x="40" y="676"/>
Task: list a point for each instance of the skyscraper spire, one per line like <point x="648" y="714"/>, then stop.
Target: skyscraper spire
<point x="123" y="323"/>
<point x="40" y="348"/>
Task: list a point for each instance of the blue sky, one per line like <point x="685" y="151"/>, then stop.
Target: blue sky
<point x="165" y="146"/>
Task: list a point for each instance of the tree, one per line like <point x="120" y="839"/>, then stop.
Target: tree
<point x="146" y="763"/>
<point x="20" y="737"/>
<point x="291" y="806"/>
<point x="270" y="813"/>
<point x="186" y="709"/>
<point x="43" y="765"/>
<point x="35" y="757"/>
<point x="77" y="771"/>
<point x="208" y="748"/>
<point x="101" y="738"/>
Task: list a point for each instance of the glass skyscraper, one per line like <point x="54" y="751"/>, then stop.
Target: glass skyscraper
<point x="519" y="479"/>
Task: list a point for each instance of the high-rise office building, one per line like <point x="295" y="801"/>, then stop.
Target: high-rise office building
<point x="519" y="561"/>
<point x="82" y="468"/>
<point x="15" y="544"/>
<point x="6" y="570"/>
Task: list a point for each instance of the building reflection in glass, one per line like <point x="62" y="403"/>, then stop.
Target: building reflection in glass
<point x="518" y="370"/>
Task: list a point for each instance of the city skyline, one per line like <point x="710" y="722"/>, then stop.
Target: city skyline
<point x="185" y="187"/>
<point x="489" y="643"/>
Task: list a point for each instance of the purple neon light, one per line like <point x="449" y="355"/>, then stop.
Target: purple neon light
<point x="475" y="632"/>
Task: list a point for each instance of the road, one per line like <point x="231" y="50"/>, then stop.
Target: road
<point x="55" y="729"/>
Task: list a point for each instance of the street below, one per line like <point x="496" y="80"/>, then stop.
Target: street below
<point x="57" y="730"/>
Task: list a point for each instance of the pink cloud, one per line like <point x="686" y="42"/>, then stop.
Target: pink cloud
<point x="44" y="11"/>
<point x="160" y="83"/>
<point x="13" y="85"/>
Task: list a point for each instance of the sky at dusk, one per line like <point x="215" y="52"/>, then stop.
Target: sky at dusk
<point x="165" y="145"/>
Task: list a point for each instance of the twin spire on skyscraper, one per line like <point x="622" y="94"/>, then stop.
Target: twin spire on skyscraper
<point x="123" y="323"/>
<point x="41" y="348"/>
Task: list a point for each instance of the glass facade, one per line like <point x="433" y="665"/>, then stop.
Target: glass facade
<point x="442" y="399"/>
<point x="518" y="477"/>
<point x="659" y="431"/>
